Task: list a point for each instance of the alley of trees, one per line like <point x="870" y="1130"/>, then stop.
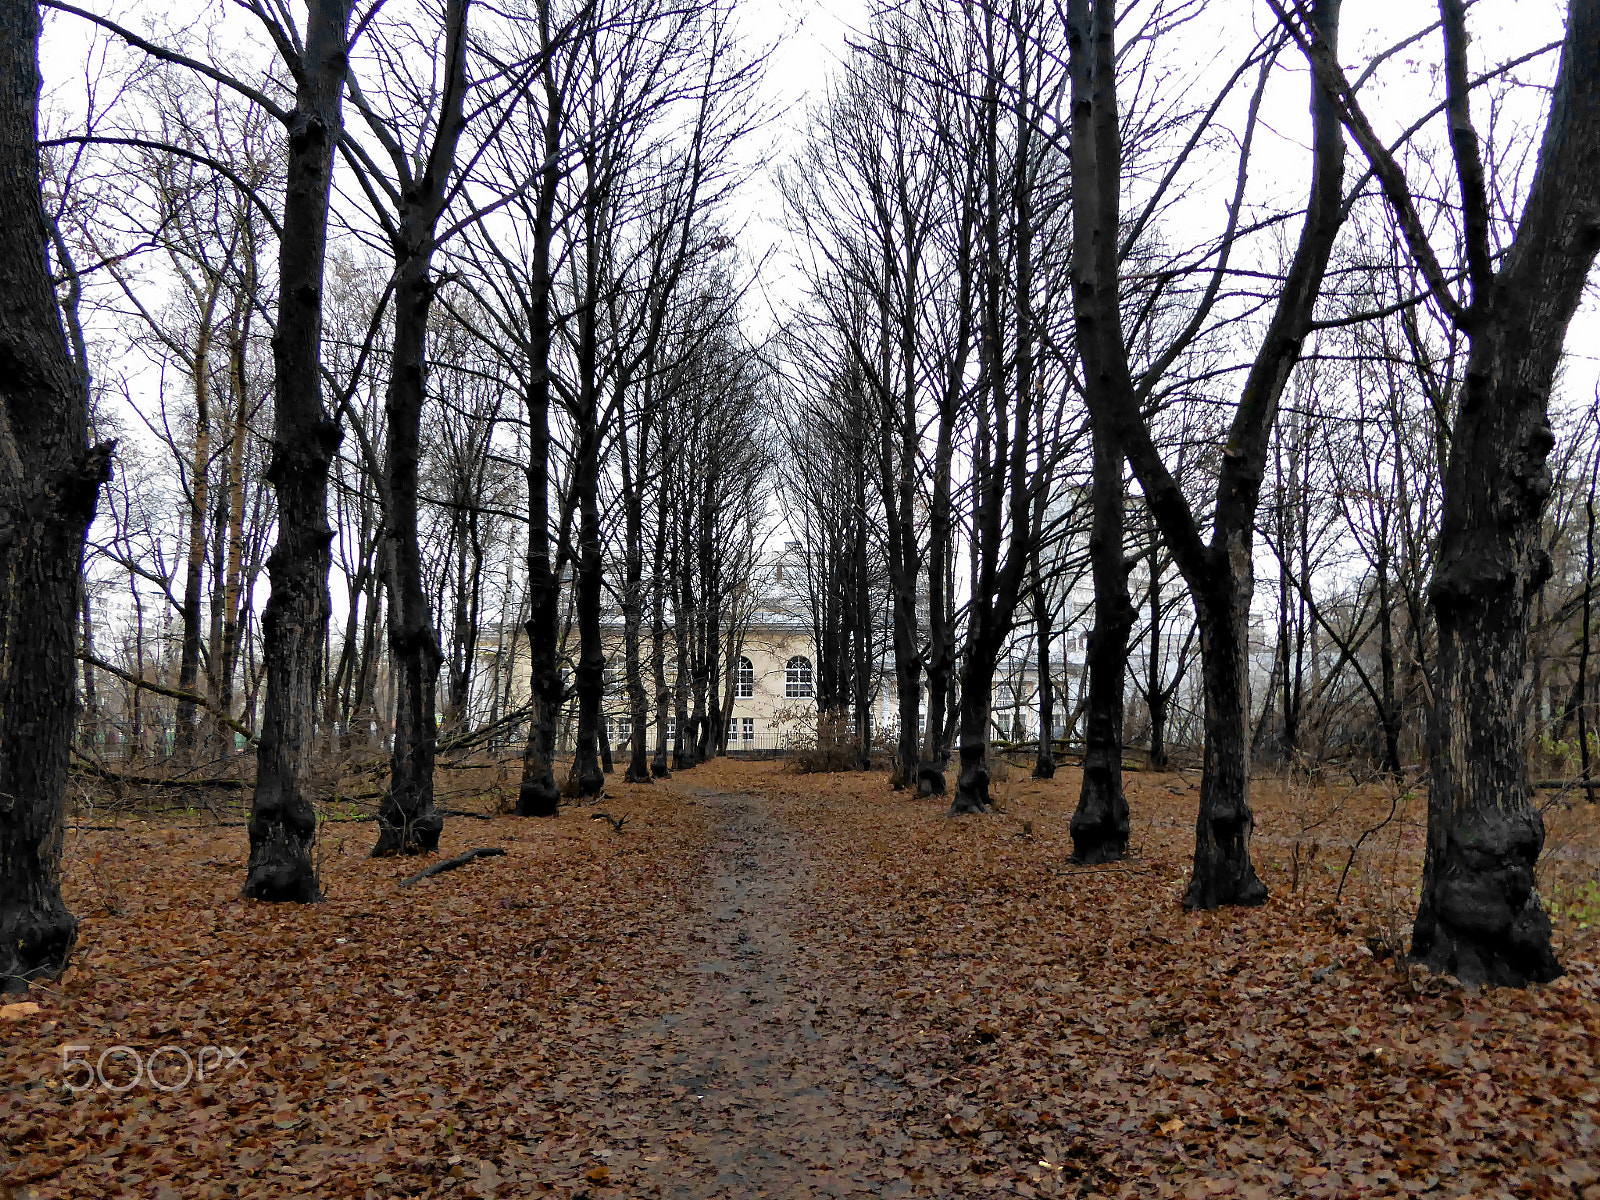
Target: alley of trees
<point x="387" y="382"/>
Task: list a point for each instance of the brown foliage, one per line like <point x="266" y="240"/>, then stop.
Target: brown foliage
<point x="605" y="1013"/>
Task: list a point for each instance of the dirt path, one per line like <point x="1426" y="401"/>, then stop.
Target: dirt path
<point x="737" y="1090"/>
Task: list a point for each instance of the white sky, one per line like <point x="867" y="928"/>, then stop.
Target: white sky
<point x="807" y="40"/>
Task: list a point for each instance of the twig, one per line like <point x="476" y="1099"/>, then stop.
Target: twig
<point x="1394" y="807"/>
<point x="450" y="864"/>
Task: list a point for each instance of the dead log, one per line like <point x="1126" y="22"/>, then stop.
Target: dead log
<point x="450" y="864"/>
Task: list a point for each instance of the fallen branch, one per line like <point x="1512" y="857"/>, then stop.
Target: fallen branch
<point x="466" y="741"/>
<point x="90" y="767"/>
<point x="450" y="864"/>
<point x="162" y="689"/>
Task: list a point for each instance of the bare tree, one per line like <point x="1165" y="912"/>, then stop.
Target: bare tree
<point x="49" y="481"/>
<point x="1479" y="916"/>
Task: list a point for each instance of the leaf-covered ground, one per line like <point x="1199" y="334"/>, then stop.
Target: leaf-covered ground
<point x="781" y="985"/>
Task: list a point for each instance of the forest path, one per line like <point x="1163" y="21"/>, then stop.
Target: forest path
<point x="737" y="1090"/>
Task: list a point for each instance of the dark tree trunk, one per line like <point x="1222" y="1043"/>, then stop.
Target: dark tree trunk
<point x="1219" y="574"/>
<point x="408" y="822"/>
<point x="941" y="625"/>
<point x="902" y="547"/>
<point x="659" y="767"/>
<point x="1100" y="822"/>
<point x="862" y="629"/>
<point x="589" y="678"/>
<point x="188" y="714"/>
<point x="225" y="660"/>
<point x="633" y="619"/>
<point x="633" y="598"/>
<point x="538" y="794"/>
<point x="1580" y="688"/>
<point x="1223" y="873"/>
<point x="1044" y="766"/>
<point x="941" y="559"/>
<point x="1389" y="717"/>
<point x="49" y="483"/>
<point x="283" y="823"/>
<point x="977" y="688"/>
<point x="1480" y="918"/>
<point x="1003" y="488"/>
<point x="683" y="616"/>
<point x="1160" y="692"/>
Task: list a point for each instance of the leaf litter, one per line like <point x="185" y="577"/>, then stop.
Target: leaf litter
<point x="790" y="986"/>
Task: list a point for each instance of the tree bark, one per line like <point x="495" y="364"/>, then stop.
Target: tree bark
<point x="1479" y="917"/>
<point x="408" y="821"/>
<point x="1044" y="766"/>
<point x="1100" y="822"/>
<point x="1219" y="574"/>
<point x="538" y="795"/>
<point x="199" y="494"/>
<point x="283" y="823"/>
<point x="659" y="763"/>
<point x="49" y="483"/>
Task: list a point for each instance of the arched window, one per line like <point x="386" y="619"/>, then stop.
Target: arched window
<point x="797" y="677"/>
<point x="745" y="684"/>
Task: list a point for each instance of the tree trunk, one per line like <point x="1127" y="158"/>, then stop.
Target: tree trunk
<point x="538" y="795"/>
<point x="199" y="495"/>
<point x="408" y="821"/>
<point x="1479" y="917"/>
<point x="283" y="823"/>
<point x="862" y="626"/>
<point x="633" y="599"/>
<point x="1160" y="692"/>
<point x="1044" y="766"/>
<point x="941" y="624"/>
<point x="1219" y="574"/>
<point x="683" y="745"/>
<point x="1581" y="687"/>
<point x="225" y="660"/>
<point x="659" y="767"/>
<point x="49" y="483"/>
<point x="1223" y="873"/>
<point x="589" y="681"/>
<point x="1100" y="822"/>
<point x="977" y="688"/>
<point x="1389" y="717"/>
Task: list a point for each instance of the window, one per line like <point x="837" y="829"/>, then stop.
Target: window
<point x="797" y="677"/>
<point x="748" y="731"/>
<point x="745" y="684"/>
